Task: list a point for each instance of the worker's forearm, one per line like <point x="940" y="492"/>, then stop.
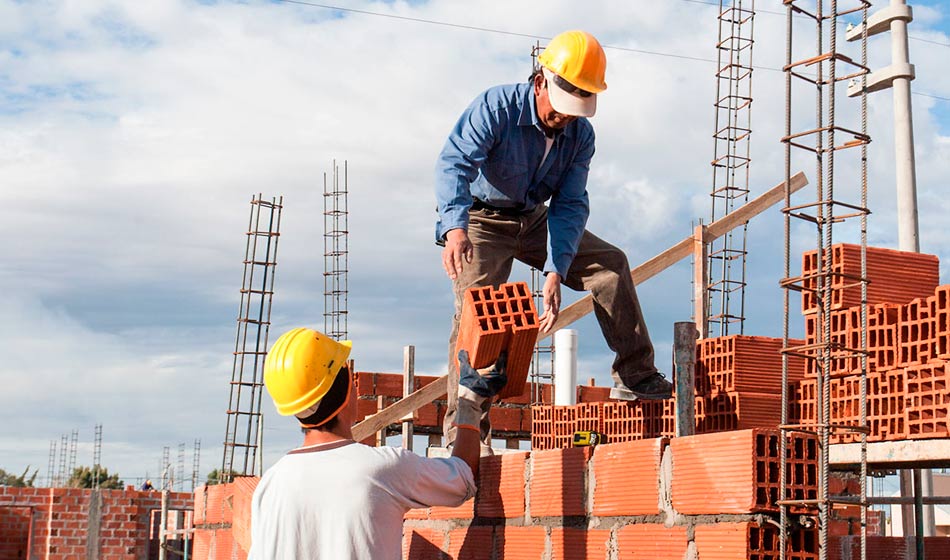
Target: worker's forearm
<point x="467" y="447"/>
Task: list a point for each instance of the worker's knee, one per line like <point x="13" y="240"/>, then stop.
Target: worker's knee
<point x="615" y="260"/>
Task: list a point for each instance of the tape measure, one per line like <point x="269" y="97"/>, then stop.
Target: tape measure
<point x="586" y="438"/>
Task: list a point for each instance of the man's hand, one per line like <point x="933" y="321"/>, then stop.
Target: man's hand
<point x="484" y="383"/>
<point x="552" y="300"/>
<point x="458" y="248"/>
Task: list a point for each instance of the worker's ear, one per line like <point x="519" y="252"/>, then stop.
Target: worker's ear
<point x="538" y="83"/>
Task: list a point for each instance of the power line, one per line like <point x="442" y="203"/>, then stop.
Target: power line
<point x="930" y="95"/>
<point x="775" y="13"/>
<point x="543" y="37"/>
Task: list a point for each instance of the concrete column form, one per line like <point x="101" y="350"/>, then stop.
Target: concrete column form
<point x="565" y="367"/>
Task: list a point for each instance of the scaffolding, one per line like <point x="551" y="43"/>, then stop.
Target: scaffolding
<point x="195" y="464"/>
<point x="180" y="482"/>
<point x="51" y="466"/>
<point x="167" y="475"/>
<point x="724" y="307"/>
<point x="335" y="253"/>
<point x="97" y="456"/>
<point x="73" y="443"/>
<point x="840" y="200"/>
<point x="242" y="437"/>
<point x="63" y="451"/>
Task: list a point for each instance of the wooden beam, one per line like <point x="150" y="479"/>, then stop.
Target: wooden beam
<point x="395" y="411"/>
<point x="640" y="274"/>
<point x="684" y="248"/>
<point x="700" y="279"/>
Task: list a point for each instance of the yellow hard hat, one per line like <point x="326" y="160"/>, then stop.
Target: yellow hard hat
<point x="577" y="57"/>
<point x="300" y="369"/>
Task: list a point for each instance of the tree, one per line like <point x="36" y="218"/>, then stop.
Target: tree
<point x="9" y="479"/>
<point x="84" y="477"/>
<point x="214" y="477"/>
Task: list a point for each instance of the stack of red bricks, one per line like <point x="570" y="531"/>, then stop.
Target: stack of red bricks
<point x="650" y="498"/>
<point x="553" y="426"/>
<point x="908" y="345"/>
<point x="83" y="523"/>
<point x="737" y="380"/>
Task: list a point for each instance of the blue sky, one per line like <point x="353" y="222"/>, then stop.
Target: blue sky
<point x="132" y="135"/>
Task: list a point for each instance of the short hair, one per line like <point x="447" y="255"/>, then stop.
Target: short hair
<point x="327" y="415"/>
<point x="534" y="73"/>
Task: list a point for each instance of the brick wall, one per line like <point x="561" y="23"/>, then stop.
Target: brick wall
<point x="222" y="520"/>
<point x="624" y="500"/>
<point x="81" y="523"/>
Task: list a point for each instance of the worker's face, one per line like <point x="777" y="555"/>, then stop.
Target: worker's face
<point x="546" y="114"/>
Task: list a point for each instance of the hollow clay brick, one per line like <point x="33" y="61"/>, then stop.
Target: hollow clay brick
<point x="737" y="472"/>
<point x="744" y="363"/>
<point x="493" y="320"/>
<point x="464" y="511"/>
<point x="626" y="478"/>
<point x="737" y="411"/>
<point x="729" y="541"/>
<point x="501" y="486"/>
<point x="917" y="332"/>
<point x="895" y="276"/>
<point x="422" y="543"/>
<point x="558" y="482"/>
<point x="520" y="542"/>
<point x="470" y="543"/>
<point x="565" y="424"/>
<point x="928" y="400"/>
<point x="542" y="427"/>
<point x="568" y="543"/>
<point x="649" y="541"/>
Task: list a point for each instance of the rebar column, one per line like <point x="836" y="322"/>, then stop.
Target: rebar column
<point x="242" y="433"/>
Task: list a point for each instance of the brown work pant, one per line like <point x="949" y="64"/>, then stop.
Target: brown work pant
<point x="598" y="267"/>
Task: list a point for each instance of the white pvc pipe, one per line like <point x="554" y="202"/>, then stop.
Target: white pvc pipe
<point x="565" y="367"/>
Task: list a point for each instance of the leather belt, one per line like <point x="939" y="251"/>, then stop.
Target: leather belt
<point x="503" y="210"/>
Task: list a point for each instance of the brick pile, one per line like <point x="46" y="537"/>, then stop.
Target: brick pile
<point x="649" y="498"/>
<point x="737" y="380"/>
<point x="83" y="523"/>
<point x="908" y="347"/>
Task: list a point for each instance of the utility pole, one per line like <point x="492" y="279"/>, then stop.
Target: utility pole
<point x="897" y="76"/>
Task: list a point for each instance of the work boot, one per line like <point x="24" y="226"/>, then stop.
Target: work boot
<point x="653" y="388"/>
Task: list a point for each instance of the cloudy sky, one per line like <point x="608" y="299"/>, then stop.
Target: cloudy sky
<point x="133" y="135"/>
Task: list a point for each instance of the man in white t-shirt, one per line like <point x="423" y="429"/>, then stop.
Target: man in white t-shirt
<point x="336" y="499"/>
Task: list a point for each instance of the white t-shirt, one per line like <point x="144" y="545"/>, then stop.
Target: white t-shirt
<point x="344" y="500"/>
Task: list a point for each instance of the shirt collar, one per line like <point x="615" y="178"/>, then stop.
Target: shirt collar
<point x="529" y="114"/>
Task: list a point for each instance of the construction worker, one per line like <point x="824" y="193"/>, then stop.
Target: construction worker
<point x="334" y="498"/>
<point x="147" y="486"/>
<point x="515" y="148"/>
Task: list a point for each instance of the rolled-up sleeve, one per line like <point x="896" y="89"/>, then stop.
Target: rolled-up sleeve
<point x="569" y="209"/>
<point x="464" y="152"/>
<point x="436" y="481"/>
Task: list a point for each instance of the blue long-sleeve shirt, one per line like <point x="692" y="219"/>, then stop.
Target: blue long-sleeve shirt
<point x="494" y="153"/>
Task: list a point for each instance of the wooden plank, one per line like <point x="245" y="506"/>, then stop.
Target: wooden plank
<point x="684" y="248"/>
<point x="395" y="411"/>
<point x="585" y="305"/>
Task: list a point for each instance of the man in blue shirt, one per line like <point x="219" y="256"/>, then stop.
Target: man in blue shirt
<point x="513" y="149"/>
